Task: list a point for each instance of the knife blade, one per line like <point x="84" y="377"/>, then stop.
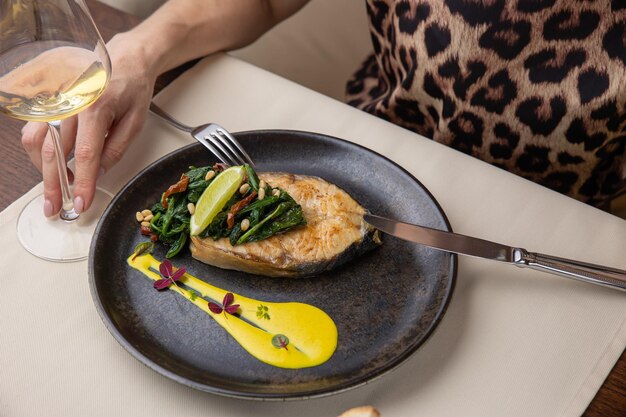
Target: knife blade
<point x="439" y="239"/>
<point x="480" y="248"/>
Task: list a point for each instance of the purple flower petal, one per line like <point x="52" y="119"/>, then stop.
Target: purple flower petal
<point x="228" y="299"/>
<point x="166" y="268"/>
<point x="215" y="308"/>
<point x="178" y="274"/>
<point x="232" y="309"/>
<point x="162" y="284"/>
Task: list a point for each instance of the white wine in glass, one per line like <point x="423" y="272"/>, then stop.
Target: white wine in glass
<point x="53" y="64"/>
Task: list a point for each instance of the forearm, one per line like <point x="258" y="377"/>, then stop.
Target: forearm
<point x="182" y="30"/>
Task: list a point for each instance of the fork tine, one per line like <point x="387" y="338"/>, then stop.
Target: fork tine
<point x="222" y="151"/>
<point x="207" y="144"/>
<point x="223" y="143"/>
<point x="243" y="155"/>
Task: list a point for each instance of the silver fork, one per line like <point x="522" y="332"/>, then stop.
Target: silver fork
<point x="213" y="136"/>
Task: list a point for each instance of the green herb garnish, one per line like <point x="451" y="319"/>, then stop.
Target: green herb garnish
<point x="262" y="312"/>
<point x="143" y="248"/>
<point x="280" y="341"/>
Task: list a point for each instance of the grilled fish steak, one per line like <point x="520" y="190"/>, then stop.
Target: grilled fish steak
<point x="334" y="234"/>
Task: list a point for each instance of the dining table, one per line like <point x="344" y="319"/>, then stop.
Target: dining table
<point x="512" y="342"/>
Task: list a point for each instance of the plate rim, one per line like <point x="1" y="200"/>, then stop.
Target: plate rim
<point x="317" y="393"/>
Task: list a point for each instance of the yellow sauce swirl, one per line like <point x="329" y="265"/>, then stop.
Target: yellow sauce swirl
<point x="312" y="333"/>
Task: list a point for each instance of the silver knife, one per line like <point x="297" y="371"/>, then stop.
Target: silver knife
<point x="471" y="246"/>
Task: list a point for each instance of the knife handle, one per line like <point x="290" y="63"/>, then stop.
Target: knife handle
<point x="582" y="271"/>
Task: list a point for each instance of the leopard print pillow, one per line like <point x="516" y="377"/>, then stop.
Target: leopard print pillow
<point x="536" y="87"/>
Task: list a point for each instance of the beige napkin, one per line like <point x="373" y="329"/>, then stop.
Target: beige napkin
<point x="513" y="343"/>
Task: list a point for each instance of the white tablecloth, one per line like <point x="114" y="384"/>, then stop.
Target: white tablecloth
<point x="513" y="342"/>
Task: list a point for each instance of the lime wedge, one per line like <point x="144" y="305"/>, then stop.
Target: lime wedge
<point x="214" y="198"/>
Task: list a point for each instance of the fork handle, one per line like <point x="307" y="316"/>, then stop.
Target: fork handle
<point x="169" y="119"/>
<point x="581" y="271"/>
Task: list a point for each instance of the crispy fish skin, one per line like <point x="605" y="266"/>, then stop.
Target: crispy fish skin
<point x="334" y="234"/>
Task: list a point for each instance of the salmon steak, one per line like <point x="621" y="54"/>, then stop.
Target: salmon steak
<point x="335" y="233"/>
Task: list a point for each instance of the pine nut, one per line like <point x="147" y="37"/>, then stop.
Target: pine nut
<point x="209" y="175"/>
<point x="146" y="212"/>
<point x="139" y="216"/>
<point x="245" y="225"/>
<point x="262" y="184"/>
<point x="261" y="193"/>
<point x="276" y="192"/>
<point x="145" y="224"/>
<point x="244" y="188"/>
<point x="191" y="208"/>
<point x="149" y="217"/>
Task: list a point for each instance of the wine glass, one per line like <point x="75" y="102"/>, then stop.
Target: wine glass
<point x="53" y="64"/>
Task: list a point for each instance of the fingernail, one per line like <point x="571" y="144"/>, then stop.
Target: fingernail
<point x="101" y="172"/>
<point x="48" y="208"/>
<point x="79" y="204"/>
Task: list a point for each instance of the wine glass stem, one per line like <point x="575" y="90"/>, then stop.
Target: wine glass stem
<point x="67" y="212"/>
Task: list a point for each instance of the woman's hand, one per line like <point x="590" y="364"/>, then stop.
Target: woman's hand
<point x="176" y="33"/>
<point x="101" y="133"/>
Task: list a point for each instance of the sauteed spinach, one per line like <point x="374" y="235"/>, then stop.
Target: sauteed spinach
<point x="256" y="214"/>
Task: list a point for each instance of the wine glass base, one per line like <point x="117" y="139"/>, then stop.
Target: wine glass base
<point x="69" y="215"/>
<point x="55" y="239"/>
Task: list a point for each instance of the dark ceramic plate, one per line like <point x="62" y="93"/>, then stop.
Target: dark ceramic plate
<point x="385" y="304"/>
